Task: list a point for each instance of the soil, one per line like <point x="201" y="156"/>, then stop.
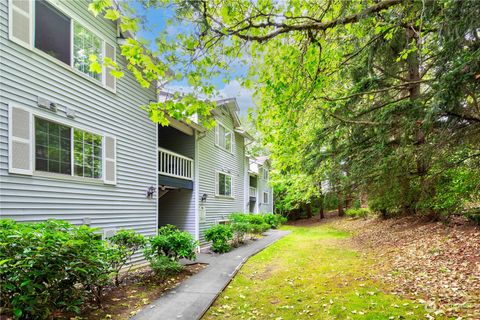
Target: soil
<point x="140" y="289"/>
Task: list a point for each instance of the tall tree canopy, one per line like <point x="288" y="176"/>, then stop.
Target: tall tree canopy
<point x="378" y="97"/>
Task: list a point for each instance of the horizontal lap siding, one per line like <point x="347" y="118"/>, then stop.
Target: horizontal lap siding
<point x="263" y="185"/>
<point x="212" y="158"/>
<point x="177" y="207"/>
<point x="25" y="76"/>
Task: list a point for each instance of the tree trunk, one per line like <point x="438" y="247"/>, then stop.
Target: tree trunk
<point x="341" y="213"/>
<point x="321" y="209"/>
<point x="309" y="210"/>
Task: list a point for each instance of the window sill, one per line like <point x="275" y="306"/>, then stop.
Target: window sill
<point x="224" y="197"/>
<point x="71" y="69"/>
<point x="222" y="148"/>
<point x="64" y="177"/>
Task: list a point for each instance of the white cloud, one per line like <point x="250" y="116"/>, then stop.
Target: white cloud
<point x="244" y="96"/>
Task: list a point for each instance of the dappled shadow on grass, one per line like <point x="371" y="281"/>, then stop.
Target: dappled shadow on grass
<point x="312" y="273"/>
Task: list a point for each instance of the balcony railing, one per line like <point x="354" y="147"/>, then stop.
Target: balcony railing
<point x="253" y="192"/>
<point x="174" y="165"/>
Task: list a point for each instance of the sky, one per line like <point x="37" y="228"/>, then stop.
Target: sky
<point x="157" y="22"/>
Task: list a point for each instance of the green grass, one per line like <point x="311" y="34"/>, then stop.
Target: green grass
<point x="310" y="274"/>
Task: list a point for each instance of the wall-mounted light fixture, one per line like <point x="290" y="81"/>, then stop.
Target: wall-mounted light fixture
<point x="204" y="197"/>
<point x="150" y="192"/>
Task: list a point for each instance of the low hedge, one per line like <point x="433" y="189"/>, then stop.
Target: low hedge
<point x="357" y="212"/>
<point x="54" y="266"/>
<point x="241" y="225"/>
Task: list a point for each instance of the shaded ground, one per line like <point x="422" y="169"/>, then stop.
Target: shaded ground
<point x="140" y="289"/>
<point x="435" y="263"/>
<point x="314" y="273"/>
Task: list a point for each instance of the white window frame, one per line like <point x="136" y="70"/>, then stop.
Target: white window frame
<point x="265" y="174"/>
<point x="217" y="186"/>
<point x="73" y="19"/>
<point x="268" y="197"/>
<point x="217" y="136"/>
<point x="72" y="175"/>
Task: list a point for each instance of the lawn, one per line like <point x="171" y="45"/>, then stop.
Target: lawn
<point x="314" y="273"/>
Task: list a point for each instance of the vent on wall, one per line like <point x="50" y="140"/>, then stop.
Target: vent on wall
<point x="46" y="104"/>
<point x="108" y="233"/>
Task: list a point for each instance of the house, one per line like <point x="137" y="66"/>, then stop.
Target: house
<point x="74" y="145"/>
<point x="260" y="191"/>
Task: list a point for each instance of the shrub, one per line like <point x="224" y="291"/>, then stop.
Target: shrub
<point x="164" y="267"/>
<point x="172" y="243"/>
<point x="240" y="230"/>
<point x="50" y="266"/>
<point x="125" y="243"/>
<point x="357" y="213"/>
<point x="274" y="220"/>
<point x="246" y="223"/>
<point x="220" y="235"/>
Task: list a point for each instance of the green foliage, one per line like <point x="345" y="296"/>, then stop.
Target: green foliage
<point x="172" y="243"/>
<point x="274" y="220"/>
<point x="125" y="243"/>
<point x="220" y="235"/>
<point x="50" y="266"/>
<point x="357" y="212"/>
<point x="164" y="267"/>
<point x="473" y="215"/>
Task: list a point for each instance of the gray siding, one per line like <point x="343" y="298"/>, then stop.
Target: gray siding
<point x="177" y="207"/>
<point x="26" y="75"/>
<point x="263" y="186"/>
<point x="176" y="141"/>
<point x="212" y="158"/>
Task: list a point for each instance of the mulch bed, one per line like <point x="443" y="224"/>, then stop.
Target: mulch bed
<point x="138" y="290"/>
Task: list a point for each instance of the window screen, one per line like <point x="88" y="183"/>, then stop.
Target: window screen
<point x="52" y="31"/>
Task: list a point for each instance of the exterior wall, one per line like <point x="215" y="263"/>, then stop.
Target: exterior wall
<point x="176" y="141"/>
<point x="263" y="185"/>
<point x="213" y="158"/>
<point x="177" y="207"/>
<point x="26" y="75"/>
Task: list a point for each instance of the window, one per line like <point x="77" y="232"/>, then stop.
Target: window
<point x="223" y="137"/>
<point x="265" y="174"/>
<point x="87" y="154"/>
<point x="52" y="147"/>
<point x="85" y="43"/>
<point x="53" y="150"/>
<point x="224" y="184"/>
<point x="52" y="31"/>
<point x="265" y="197"/>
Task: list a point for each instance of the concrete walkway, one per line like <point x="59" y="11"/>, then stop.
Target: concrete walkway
<point x="192" y="298"/>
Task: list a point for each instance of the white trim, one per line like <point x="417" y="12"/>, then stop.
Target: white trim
<point x="196" y="192"/>
<point x="217" y="187"/>
<point x="12" y="139"/>
<point x="30" y="20"/>
<point x="268" y="197"/>
<point x="156" y="180"/>
<point x="267" y="172"/>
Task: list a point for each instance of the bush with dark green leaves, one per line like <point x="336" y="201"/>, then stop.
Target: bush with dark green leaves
<point x="50" y="266"/>
<point x="164" y="267"/>
<point x="247" y="223"/>
<point x="274" y="220"/>
<point x="220" y="235"/>
<point x="125" y="243"/>
<point x="357" y="212"/>
<point x="172" y="243"/>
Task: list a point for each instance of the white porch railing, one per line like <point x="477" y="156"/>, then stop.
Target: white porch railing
<point x="174" y="165"/>
<point x="253" y="192"/>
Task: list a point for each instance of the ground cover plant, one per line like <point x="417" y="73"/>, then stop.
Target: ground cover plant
<point x="322" y="278"/>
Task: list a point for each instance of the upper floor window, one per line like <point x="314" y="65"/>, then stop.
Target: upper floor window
<point x="265" y="174"/>
<point x="223" y="137"/>
<point x="224" y="184"/>
<point x="85" y="43"/>
<point x="53" y="150"/>
<point x="49" y="28"/>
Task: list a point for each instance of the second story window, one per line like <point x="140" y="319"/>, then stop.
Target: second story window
<point x="85" y="43"/>
<point x="223" y="137"/>
<point x="52" y="31"/>
<point x="265" y="174"/>
<point x="224" y="184"/>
